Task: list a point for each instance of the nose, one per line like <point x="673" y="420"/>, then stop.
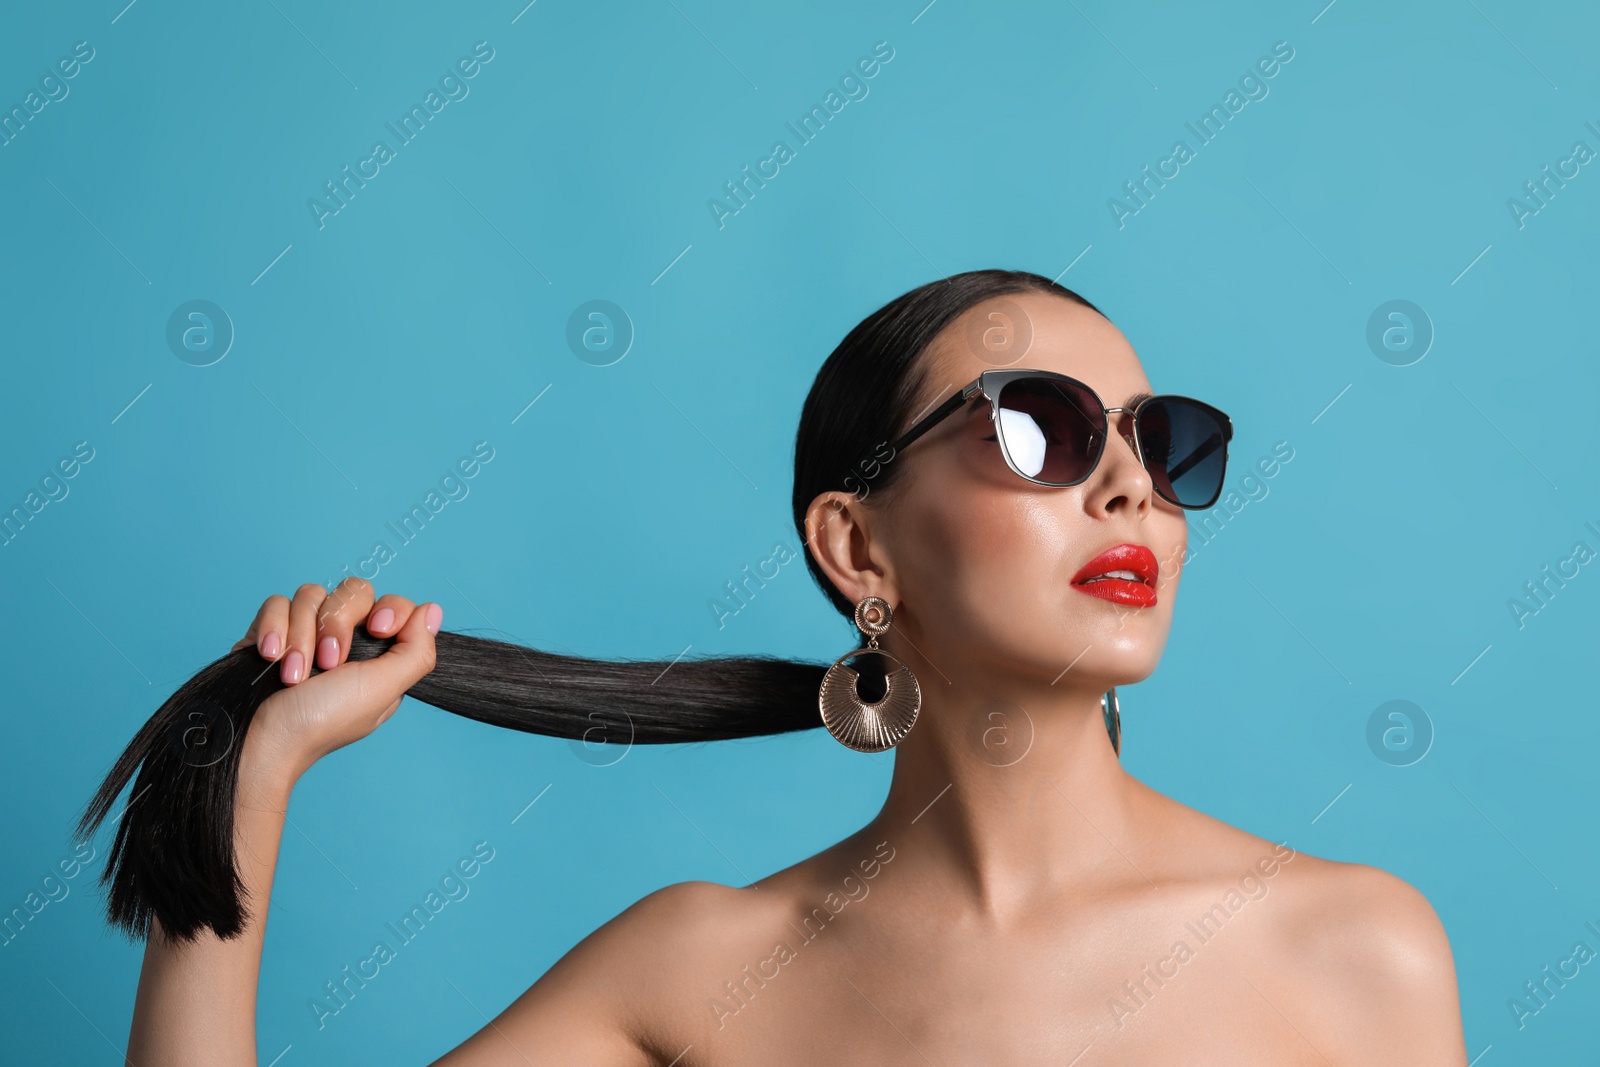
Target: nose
<point x="1120" y="481"/>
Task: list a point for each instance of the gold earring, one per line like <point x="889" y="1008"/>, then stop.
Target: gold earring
<point x="869" y="726"/>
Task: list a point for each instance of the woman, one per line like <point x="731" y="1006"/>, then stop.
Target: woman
<point x="1019" y="898"/>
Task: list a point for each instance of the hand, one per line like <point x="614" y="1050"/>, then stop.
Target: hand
<point x="311" y="717"/>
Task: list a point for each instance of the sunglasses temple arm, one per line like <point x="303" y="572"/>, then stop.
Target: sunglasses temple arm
<point x="938" y="414"/>
<point x="1210" y="445"/>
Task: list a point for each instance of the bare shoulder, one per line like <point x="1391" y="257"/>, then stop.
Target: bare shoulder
<point x="618" y="996"/>
<point x="1337" y="944"/>
<point x="1349" y="914"/>
<point x="1372" y="946"/>
<point x="1337" y="917"/>
<point x="1367" y="915"/>
<point x="681" y="914"/>
<point x="649" y="955"/>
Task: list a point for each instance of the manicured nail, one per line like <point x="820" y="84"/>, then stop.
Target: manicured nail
<point x="328" y="653"/>
<point x="271" y="646"/>
<point x="293" y="666"/>
<point x="435" y="617"/>
<point x="382" y="620"/>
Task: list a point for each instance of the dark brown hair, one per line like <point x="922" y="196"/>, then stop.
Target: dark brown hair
<point x="172" y="857"/>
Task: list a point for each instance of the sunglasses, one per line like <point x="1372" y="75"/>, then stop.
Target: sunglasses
<point x="1052" y="431"/>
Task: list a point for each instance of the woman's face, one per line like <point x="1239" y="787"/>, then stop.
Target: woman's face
<point x="981" y="561"/>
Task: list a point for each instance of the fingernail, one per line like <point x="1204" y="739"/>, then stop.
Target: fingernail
<point x="270" y="646"/>
<point x="328" y="653"/>
<point x="382" y="620"/>
<point x="435" y="617"/>
<point x="293" y="667"/>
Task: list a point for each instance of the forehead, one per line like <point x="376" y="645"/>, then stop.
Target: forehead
<point x="1036" y="331"/>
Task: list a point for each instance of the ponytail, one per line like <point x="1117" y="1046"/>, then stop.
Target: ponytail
<point x="173" y="856"/>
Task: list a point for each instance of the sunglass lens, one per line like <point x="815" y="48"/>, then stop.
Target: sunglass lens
<point x="1051" y="430"/>
<point x="1185" y="450"/>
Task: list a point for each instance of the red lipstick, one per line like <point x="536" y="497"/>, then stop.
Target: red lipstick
<point x="1125" y="574"/>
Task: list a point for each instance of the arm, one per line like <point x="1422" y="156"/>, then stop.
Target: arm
<point x="197" y="1001"/>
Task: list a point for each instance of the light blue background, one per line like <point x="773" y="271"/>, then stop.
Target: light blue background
<point x="431" y="310"/>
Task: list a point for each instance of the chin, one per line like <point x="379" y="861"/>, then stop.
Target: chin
<point x="1118" y="657"/>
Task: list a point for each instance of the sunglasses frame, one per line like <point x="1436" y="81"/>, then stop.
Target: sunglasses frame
<point x="991" y="383"/>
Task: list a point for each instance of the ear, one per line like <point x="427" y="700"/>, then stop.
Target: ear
<point x="840" y="531"/>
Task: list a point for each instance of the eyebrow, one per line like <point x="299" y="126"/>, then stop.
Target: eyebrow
<point x="1136" y="399"/>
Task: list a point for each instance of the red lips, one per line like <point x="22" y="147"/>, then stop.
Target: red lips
<point x="1138" y="560"/>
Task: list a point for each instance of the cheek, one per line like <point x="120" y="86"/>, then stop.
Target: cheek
<point x="989" y="564"/>
<point x="1023" y="553"/>
<point x="990" y="569"/>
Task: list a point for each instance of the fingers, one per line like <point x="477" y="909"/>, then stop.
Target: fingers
<point x="268" y="629"/>
<point x="389" y="615"/>
<point x="315" y="627"/>
<point x="302" y="634"/>
<point x="410" y="658"/>
<point x="347" y="605"/>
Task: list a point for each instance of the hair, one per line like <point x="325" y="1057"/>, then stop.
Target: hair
<point x="173" y="858"/>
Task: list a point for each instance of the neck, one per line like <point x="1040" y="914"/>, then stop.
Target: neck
<point x="1006" y="795"/>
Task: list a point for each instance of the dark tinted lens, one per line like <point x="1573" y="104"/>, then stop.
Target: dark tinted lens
<point x="1051" y="430"/>
<point x="1185" y="450"/>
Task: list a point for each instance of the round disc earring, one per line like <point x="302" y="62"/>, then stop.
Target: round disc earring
<point x="875" y="725"/>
